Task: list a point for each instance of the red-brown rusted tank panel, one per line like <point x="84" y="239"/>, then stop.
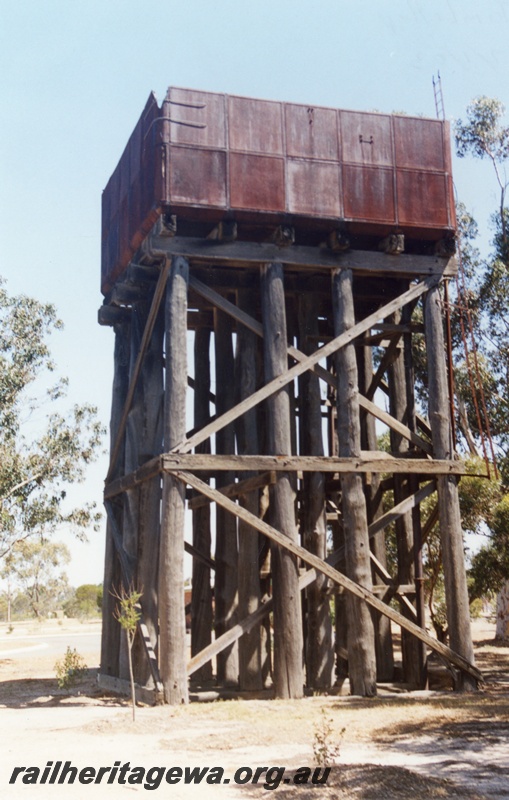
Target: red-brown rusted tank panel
<point x="204" y="156"/>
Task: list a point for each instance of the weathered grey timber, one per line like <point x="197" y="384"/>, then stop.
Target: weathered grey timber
<point x="318" y="629"/>
<point x="256" y="327"/>
<point x="374" y="509"/>
<point x="149" y="498"/>
<point x="226" y="559"/>
<point x="398" y="401"/>
<point x="451" y="537"/>
<point x="361" y="642"/>
<point x="172" y="638"/>
<point x="201" y="598"/>
<point x="110" y="639"/>
<point x="250" y="656"/>
<point x="288" y="644"/>
<point x="342" y="580"/>
<point x="210" y="252"/>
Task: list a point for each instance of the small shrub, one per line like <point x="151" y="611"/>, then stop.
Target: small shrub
<point x="70" y="669"/>
<point x="326" y="741"/>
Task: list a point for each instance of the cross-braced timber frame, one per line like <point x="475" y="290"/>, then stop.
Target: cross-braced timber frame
<point x="268" y="435"/>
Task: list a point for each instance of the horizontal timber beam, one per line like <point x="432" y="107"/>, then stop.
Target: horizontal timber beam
<point x="364" y="262"/>
<point x="368" y="462"/>
<point x="337" y="577"/>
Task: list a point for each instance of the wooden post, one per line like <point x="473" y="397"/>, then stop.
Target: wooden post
<point x="398" y="400"/>
<point x="226" y="572"/>
<point x="456" y="593"/>
<point x="201" y="599"/>
<point x="149" y="497"/>
<point x="319" y="654"/>
<point x="250" y="674"/>
<point x="374" y="508"/>
<point x="131" y="463"/>
<point x="288" y="644"/>
<point x="361" y="645"/>
<point x="110" y="638"/>
<point x="172" y="642"/>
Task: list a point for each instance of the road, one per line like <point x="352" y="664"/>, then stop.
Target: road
<point x="52" y="644"/>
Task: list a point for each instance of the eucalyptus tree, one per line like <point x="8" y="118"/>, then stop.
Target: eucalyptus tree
<point x="43" y="450"/>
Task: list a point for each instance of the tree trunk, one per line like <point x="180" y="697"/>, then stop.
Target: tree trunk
<point x="288" y="644"/>
<point x="361" y="644"/>
<point x="502" y="629"/>
<point x="172" y="642"/>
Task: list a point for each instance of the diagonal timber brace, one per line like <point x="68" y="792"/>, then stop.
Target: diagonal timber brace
<point x="253" y="325"/>
<point x="327" y="570"/>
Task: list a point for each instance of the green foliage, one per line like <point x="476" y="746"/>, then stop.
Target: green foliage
<point x="85" y="602"/>
<point x="483" y="135"/>
<point x="128" y="610"/>
<point x="38" y="461"/>
<point x="70" y="669"/>
<point x="326" y="740"/>
<point x="490" y="566"/>
<point x="128" y="614"/>
<point x="36" y="568"/>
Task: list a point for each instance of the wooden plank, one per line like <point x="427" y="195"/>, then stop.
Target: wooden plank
<point x="315" y="562"/>
<point x="253" y="325"/>
<point x="386" y="360"/>
<point x="394" y="424"/>
<point x="387" y="578"/>
<point x="359" y="261"/>
<point x="189" y="548"/>
<point x="368" y="462"/>
<point x="147" y="333"/>
<point x="237" y="489"/>
<point x="403" y="507"/>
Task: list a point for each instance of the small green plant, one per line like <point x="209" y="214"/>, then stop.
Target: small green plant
<point x="128" y="614"/>
<point x="326" y="740"/>
<point x="70" y="669"/>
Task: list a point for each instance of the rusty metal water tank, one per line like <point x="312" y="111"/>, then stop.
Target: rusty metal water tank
<point x="208" y="157"/>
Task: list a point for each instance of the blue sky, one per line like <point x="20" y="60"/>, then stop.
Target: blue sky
<point x="75" y="78"/>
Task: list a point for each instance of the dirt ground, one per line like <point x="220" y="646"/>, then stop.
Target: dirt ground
<point x="434" y="744"/>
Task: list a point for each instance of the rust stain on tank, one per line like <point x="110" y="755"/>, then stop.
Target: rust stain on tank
<point x="202" y="155"/>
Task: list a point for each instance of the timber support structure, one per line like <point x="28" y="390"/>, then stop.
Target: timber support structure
<point x="270" y="270"/>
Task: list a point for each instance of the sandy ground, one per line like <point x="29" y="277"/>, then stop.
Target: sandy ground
<point x="434" y="744"/>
